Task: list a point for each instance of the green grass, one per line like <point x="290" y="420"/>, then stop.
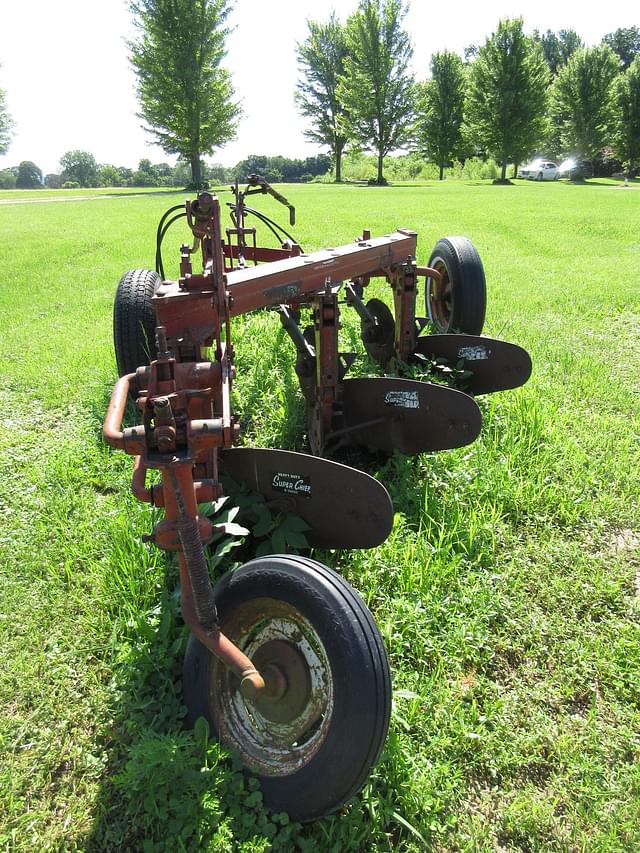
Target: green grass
<point x="508" y="593"/>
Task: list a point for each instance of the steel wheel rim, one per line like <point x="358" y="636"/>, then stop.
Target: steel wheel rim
<point x="440" y="297"/>
<point x="281" y="732"/>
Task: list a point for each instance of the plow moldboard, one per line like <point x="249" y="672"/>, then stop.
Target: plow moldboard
<point x="409" y="416"/>
<point x="495" y="365"/>
<point x="345" y="508"/>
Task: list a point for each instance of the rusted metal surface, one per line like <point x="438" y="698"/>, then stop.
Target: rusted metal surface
<point x="282" y="730"/>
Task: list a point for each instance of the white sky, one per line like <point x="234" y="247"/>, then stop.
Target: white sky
<point x="69" y="84"/>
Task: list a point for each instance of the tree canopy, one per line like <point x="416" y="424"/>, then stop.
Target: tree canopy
<point x="321" y="59"/>
<point x="29" y="176"/>
<point x="625" y="115"/>
<point x="186" y="97"/>
<point x="6" y="124"/>
<point x="507" y="96"/>
<point x="558" y="47"/>
<point x="626" y="43"/>
<point x="81" y="167"/>
<point x="581" y="100"/>
<point x="377" y="89"/>
<point x="440" y="109"/>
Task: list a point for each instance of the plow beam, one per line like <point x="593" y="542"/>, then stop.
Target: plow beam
<point x="494" y="365"/>
<point x="294" y="280"/>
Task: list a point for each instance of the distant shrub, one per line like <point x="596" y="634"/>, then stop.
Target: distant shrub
<point x="475" y="169"/>
<point x="71" y="185"/>
<point x="7" y="180"/>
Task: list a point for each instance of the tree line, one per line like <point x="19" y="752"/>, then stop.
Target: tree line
<point x="507" y="99"/>
<point x="80" y="169"/>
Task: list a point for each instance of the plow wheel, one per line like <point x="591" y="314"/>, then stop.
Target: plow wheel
<point x="134" y="320"/>
<point x="458" y="302"/>
<point x="379" y="339"/>
<point x="313" y="735"/>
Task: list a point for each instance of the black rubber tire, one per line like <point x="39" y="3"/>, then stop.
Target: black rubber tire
<point x="134" y="320"/>
<point x="352" y="733"/>
<point x="539" y="176"/>
<point x="466" y="288"/>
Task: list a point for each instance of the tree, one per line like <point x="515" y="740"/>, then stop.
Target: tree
<point x="507" y="95"/>
<point x="79" y="167"/>
<point x="29" y="176"/>
<point x="558" y="47"/>
<point x="440" y="109"/>
<point x="185" y="96"/>
<point x="53" y="181"/>
<point x="7" y="180"/>
<point x="625" y="115"/>
<point x="581" y="100"/>
<point x="626" y="43"/>
<point x="6" y="125"/>
<point x="321" y="59"/>
<point x="109" y="176"/>
<point x="377" y="88"/>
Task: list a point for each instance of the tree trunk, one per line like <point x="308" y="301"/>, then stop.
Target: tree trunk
<point x="516" y="166"/>
<point x="339" y="149"/>
<point x="503" y="176"/>
<point x="380" y="178"/>
<point x="196" y="171"/>
<point x="441" y="171"/>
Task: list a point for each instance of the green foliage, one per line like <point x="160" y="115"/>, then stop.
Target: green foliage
<point x="321" y="59"/>
<point x="626" y="43"/>
<point x="377" y="89"/>
<point x="507" y="96"/>
<point x="558" y="47"/>
<point x="29" y="176"/>
<point x="79" y="167"/>
<point x="185" y="95"/>
<point x="260" y="532"/>
<point x="6" y="124"/>
<point x="110" y="176"/>
<point x="440" y="110"/>
<point x="625" y="115"/>
<point x="581" y="100"/>
<point x="7" y="180"/>
<point x="53" y="181"/>
<point x="276" y="169"/>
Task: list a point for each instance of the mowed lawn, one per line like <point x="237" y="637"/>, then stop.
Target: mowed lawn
<point x="508" y="593"/>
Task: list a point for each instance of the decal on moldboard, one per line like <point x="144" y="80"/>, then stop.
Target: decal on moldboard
<point x="283" y="292"/>
<point x="291" y="484"/>
<point x="474" y="353"/>
<point x="403" y="399"/>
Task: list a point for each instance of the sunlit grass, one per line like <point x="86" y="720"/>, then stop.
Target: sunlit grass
<point x="507" y="592"/>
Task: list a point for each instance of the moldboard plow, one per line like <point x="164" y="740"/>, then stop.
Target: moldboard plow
<point x="284" y="659"/>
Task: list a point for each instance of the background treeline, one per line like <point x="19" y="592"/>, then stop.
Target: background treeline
<point x="512" y="97"/>
<point x="80" y="169"/>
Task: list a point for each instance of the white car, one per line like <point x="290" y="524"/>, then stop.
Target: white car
<point x="539" y="170"/>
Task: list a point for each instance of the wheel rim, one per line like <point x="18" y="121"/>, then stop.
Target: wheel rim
<point x="440" y="297"/>
<point x="281" y="731"/>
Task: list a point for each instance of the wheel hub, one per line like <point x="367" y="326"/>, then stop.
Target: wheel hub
<point x="287" y="681"/>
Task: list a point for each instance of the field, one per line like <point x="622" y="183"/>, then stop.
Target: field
<point x="508" y="593"/>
